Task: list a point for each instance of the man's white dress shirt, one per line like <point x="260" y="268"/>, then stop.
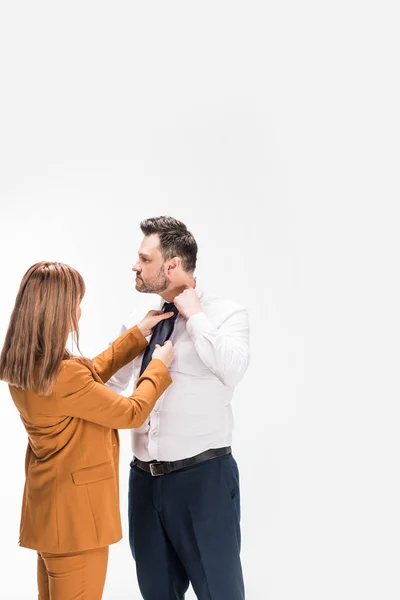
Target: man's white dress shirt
<point x="211" y="357"/>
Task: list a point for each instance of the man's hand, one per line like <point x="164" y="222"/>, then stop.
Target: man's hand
<point x="188" y="303"/>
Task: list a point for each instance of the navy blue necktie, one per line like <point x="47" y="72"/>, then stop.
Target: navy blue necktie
<point x="161" y="333"/>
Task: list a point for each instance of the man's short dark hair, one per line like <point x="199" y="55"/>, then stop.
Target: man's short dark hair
<point x="175" y="239"/>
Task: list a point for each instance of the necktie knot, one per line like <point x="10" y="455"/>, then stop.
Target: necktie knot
<point x="170" y="307"/>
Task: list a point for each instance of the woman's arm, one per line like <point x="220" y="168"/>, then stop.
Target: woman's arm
<point x="128" y="345"/>
<point x="121" y="352"/>
<point x="79" y="395"/>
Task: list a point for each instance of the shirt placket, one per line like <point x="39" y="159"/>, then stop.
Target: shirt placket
<point x="153" y="434"/>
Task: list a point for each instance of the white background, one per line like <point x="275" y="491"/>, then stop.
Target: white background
<point x="272" y="129"/>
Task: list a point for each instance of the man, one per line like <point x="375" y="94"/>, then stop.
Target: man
<point x="184" y="503"/>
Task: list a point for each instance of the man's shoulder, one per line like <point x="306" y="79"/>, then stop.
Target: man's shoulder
<point x="214" y="302"/>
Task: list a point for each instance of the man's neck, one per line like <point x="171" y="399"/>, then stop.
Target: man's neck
<point x="170" y="294"/>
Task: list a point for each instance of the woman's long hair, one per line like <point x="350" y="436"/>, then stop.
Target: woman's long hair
<point x="44" y="314"/>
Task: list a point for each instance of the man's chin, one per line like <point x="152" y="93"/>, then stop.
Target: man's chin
<point x="140" y="287"/>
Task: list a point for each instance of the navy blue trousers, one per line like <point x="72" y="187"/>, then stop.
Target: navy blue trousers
<point x="185" y="527"/>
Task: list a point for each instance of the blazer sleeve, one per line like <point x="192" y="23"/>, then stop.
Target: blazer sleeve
<point x="81" y="396"/>
<point x="121" y="352"/>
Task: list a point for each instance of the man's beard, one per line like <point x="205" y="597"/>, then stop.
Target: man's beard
<point x="158" y="285"/>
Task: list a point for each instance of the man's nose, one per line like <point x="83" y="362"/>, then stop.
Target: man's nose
<point x="135" y="268"/>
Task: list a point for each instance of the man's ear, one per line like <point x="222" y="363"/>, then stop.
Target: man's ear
<point x="174" y="264"/>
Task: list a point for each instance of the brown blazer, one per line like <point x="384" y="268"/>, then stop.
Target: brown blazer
<point x="71" y="496"/>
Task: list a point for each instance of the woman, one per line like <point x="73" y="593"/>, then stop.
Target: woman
<point x="70" y="508"/>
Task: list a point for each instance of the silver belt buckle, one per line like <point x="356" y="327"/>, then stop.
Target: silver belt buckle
<point x="153" y="469"/>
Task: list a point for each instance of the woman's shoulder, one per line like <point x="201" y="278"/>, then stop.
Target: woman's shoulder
<point x="73" y="369"/>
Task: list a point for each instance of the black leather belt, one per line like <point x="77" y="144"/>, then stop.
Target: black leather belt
<point x="157" y="468"/>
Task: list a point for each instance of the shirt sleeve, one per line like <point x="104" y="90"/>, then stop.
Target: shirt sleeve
<point x="83" y="397"/>
<point x="224" y="350"/>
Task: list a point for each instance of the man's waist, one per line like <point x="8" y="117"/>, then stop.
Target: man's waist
<point x="156" y="467"/>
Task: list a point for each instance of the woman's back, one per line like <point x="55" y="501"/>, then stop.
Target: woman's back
<point x="71" y="500"/>
<point x="70" y="507"/>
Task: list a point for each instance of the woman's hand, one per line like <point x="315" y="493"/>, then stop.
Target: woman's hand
<point x="153" y="317"/>
<point x="164" y="353"/>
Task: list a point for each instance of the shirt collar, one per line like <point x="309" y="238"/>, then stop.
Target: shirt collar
<point x="199" y="289"/>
